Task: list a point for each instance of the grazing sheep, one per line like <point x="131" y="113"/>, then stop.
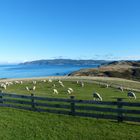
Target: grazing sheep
<point x="3" y="86"/>
<point x="50" y="81"/>
<point x="70" y="89"/>
<point x="82" y="84"/>
<point x="62" y="85"/>
<point x="121" y="88"/>
<point x="34" y="82"/>
<point x="107" y="86"/>
<point x="97" y="96"/>
<point x="34" y="88"/>
<point x="31" y="89"/>
<point x="10" y="83"/>
<point x="131" y="94"/>
<point x="27" y="88"/>
<point x="55" y="91"/>
<point x="7" y="84"/>
<point x="17" y="82"/>
<point x="60" y="82"/>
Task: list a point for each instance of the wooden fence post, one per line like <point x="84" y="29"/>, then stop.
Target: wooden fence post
<point x="72" y="106"/>
<point x="119" y="105"/>
<point x="1" y="97"/>
<point x="32" y="101"/>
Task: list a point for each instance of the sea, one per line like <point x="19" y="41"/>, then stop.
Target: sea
<point x="29" y="71"/>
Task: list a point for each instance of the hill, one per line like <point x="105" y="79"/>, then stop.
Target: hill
<point x="119" y="69"/>
<point x="64" y="62"/>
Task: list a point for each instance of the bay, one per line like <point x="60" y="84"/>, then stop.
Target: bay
<point x="29" y="71"/>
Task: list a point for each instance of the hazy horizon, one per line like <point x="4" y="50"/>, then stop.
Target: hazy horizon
<point x="71" y="29"/>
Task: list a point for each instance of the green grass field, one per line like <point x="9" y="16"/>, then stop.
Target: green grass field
<point x="46" y="89"/>
<point x="22" y="125"/>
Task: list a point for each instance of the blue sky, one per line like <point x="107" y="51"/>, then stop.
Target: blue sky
<point x="76" y="29"/>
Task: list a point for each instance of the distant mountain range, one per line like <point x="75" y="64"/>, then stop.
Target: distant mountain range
<point x="65" y="62"/>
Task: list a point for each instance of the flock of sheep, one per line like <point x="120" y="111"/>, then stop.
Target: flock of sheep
<point x="96" y="96"/>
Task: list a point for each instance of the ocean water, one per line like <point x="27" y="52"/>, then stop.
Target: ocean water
<point x="28" y="71"/>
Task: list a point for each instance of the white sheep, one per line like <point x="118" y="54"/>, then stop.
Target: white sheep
<point x="131" y="94"/>
<point x="82" y="84"/>
<point x="3" y="86"/>
<point x="27" y="88"/>
<point x="17" y="82"/>
<point x="121" y="88"/>
<point x="62" y="85"/>
<point x="70" y="89"/>
<point x="31" y="89"/>
<point x="7" y="84"/>
<point x="10" y="83"/>
<point x="34" y="88"/>
<point x="60" y="82"/>
<point x="55" y="91"/>
<point x="34" y="82"/>
<point x="107" y="86"/>
<point x="50" y="81"/>
<point x="97" y="96"/>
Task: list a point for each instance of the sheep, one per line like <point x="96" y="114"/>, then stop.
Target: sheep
<point x="107" y="85"/>
<point x="97" y="96"/>
<point x="131" y="94"/>
<point x="27" y="89"/>
<point x="7" y="83"/>
<point x="60" y="82"/>
<point x="82" y="84"/>
<point x="34" y="88"/>
<point x="62" y="85"/>
<point x="55" y="91"/>
<point x="31" y="89"/>
<point x="50" y="81"/>
<point x="121" y="88"/>
<point x="70" y="89"/>
<point x="3" y="86"/>
<point x="10" y="83"/>
<point x="34" y="82"/>
<point x="17" y="82"/>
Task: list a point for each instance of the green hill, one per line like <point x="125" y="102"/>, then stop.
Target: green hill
<point x="119" y="69"/>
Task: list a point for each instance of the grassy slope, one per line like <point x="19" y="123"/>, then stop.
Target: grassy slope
<point x="46" y="89"/>
<point x="120" y="69"/>
<point x="23" y="125"/>
<point x="19" y="124"/>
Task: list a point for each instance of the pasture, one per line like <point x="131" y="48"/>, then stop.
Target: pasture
<point x="20" y="124"/>
<point x="86" y="92"/>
